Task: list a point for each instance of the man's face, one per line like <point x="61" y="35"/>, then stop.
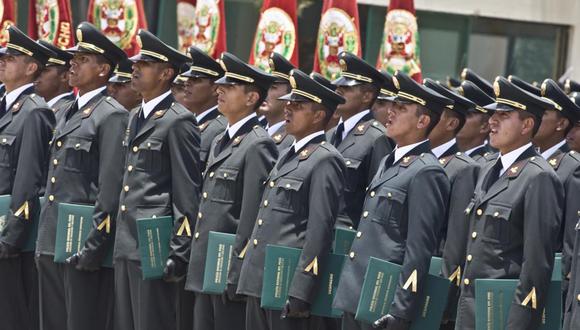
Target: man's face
<point x="299" y="117"/>
<point x="49" y="81"/>
<point x="506" y="130"/>
<point x="272" y="107"/>
<point x="197" y="91"/>
<point x="401" y="121"/>
<point x="124" y="94"/>
<point x="12" y="68"/>
<point x="231" y="98"/>
<point x="549" y="126"/>
<point x="573" y="138"/>
<point x="381" y="110"/>
<point x="84" y="70"/>
<point x="475" y="125"/>
<point x="146" y="75"/>
<point x="353" y="96"/>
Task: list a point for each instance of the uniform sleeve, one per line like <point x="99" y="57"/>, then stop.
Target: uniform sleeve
<point x="184" y="142"/>
<point x="571" y="217"/>
<point x="30" y="176"/>
<point x="542" y="214"/>
<point x="326" y="186"/>
<point x="259" y="161"/>
<point x="381" y="148"/>
<point x="427" y="198"/>
<point x="110" y="178"/>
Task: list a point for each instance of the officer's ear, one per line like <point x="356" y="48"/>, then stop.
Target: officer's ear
<point x="528" y="125"/>
<point x="423" y="121"/>
<point x="168" y="73"/>
<point x="563" y="124"/>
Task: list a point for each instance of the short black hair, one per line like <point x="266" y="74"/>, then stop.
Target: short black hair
<point x="434" y="117"/>
<point x="261" y="92"/>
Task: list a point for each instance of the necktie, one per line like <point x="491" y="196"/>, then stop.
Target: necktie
<point x="286" y="157"/>
<point x="72" y="110"/>
<point x="493" y="175"/>
<point x="3" y="106"/>
<point x="223" y="143"/>
<point x="140" y="121"/>
<point x="338" y="134"/>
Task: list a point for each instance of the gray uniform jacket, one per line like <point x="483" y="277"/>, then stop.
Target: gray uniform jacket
<point x="162" y="177"/>
<point x="405" y="206"/>
<point x="210" y="126"/>
<point x="85" y="167"/>
<point x="60" y="106"/>
<point x="232" y="188"/>
<point x="25" y="131"/>
<point x="513" y="226"/>
<point x="282" y="139"/>
<point x="362" y="149"/>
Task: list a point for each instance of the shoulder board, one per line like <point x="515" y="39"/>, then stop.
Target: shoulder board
<point x="408" y="160"/>
<point x="555" y="161"/>
<point x="361" y="128"/>
<point x="280" y="136"/>
<point x="309" y="150"/>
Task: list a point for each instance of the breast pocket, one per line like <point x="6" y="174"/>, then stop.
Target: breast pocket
<point x="6" y="149"/>
<point x="77" y="154"/>
<point x="150" y="157"/>
<point x="288" y="195"/>
<point x="390" y="205"/>
<point x="497" y="226"/>
<point x="225" y="188"/>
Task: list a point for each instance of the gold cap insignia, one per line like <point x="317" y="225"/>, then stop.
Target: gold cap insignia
<point x="567" y="86"/>
<point x="396" y="82"/>
<point x="139" y="42"/>
<point x="79" y="35"/>
<point x="342" y="63"/>
<point x="271" y="62"/>
<point x="464" y="74"/>
<point x="222" y="64"/>
<point x="460" y="90"/>
<point x="544" y="86"/>
<point x="496" y="89"/>
<point x="293" y="81"/>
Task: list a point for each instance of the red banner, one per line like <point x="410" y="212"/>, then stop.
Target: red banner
<point x="8" y="15"/>
<point x="400" y="46"/>
<point x="276" y="32"/>
<point x="339" y="31"/>
<point x="202" y="23"/>
<point x="51" y="21"/>
<point x="119" y="20"/>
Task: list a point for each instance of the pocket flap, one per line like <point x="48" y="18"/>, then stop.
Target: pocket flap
<point x="393" y="193"/>
<point x="290" y="184"/>
<point x="227" y="174"/>
<point x="151" y="144"/>
<point x="498" y="211"/>
<point x="7" y="140"/>
<point x="352" y="163"/>
<point x="78" y="143"/>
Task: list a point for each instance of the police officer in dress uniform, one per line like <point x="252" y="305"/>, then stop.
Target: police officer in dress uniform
<point x="510" y="237"/>
<point x="273" y="107"/>
<point x="404" y="208"/>
<point x="162" y="177"/>
<point x="119" y="86"/>
<point x="86" y="159"/>
<point x="26" y="124"/>
<point x="239" y="161"/>
<point x="469" y="75"/>
<point x="200" y="97"/>
<point x="472" y="138"/>
<point x="298" y="208"/>
<point x="573" y="137"/>
<point x="551" y="142"/>
<point x="359" y="137"/>
<point x="52" y="84"/>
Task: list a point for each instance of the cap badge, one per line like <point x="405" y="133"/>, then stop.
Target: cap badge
<point x="79" y="35"/>
<point x="293" y="82"/>
<point x="496" y="88"/>
<point x="342" y="63"/>
<point x="544" y="86"/>
<point x="396" y="82"/>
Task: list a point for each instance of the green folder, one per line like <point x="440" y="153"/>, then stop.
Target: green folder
<point x="217" y="262"/>
<point x="378" y="292"/>
<point x="5" y="212"/>
<point x="154" y="235"/>
<point x="435" y="266"/>
<point x="343" y="238"/>
<point x="74" y="223"/>
<point x="279" y="268"/>
<point x="493" y="299"/>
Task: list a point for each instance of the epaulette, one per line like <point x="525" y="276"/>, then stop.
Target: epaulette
<point x="309" y="150"/>
<point x="517" y="167"/>
<point x="556" y="160"/>
<point x="408" y="160"/>
<point x="361" y="128"/>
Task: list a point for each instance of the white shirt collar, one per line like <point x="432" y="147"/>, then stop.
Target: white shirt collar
<point x="350" y="123"/>
<point x="440" y="150"/>
<point x="233" y="129"/>
<point x="304" y="141"/>
<point x="274" y="128"/>
<point x="402" y="151"/>
<point x="151" y="104"/>
<point x="82" y="100"/>
<point x="205" y="113"/>
<point x="56" y="98"/>
<point x="470" y="151"/>
<point x="550" y="151"/>
<point x="510" y="158"/>
<point x="13" y="95"/>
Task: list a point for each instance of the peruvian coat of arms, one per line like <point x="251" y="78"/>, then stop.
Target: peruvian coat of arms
<point x="206" y="25"/>
<point x="117" y="19"/>
<point x="47" y="12"/>
<point x="400" y="48"/>
<point x="275" y="33"/>
<point x="5" y="24"/>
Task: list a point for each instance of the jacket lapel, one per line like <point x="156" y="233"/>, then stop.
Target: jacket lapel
<point x="14" y="107"/>
<point x="350" y="138"/>
<point x="75" y="121"/>
<point x="405" y="161"/>
<point x="232" y="144"/>
<point x="155" y="114"/>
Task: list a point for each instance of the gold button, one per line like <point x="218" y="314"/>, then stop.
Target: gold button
<point x="78" y="145"/>
<point x="55" y="161"/>
<point x="149" y="145"/>
<point x="534" y="158"/>
<point x="126" y="188"/>
<point x="365" y="214"/>
<point x="372" y="194"/>
<point x="287" y="185"/>
<point x="389" y="195"/>
<point x="199" y="215"/>
<point x="4" y="140"/>
<point x="358" y="234"/>
<point x="466" y="281"/>
<point x="469" y="257"/>
<point x="272" y="184"/>
<point x="496" y="214"/>
<point x="135" y="149"/>
<point x="578" y="297"/>
<point x="473" y="235"/>
<point x="205" y="195"/>
<point x="197" y="235"/>
<point x="211" y="174"/>
<point x="265" y="203"/>
<point x="260" y="222"/>
<point x="59" y="144"/>
<point x="130" y="168"/>
<point x="348" y="162"/>
<point x="123" y="208"/>
<point x="225" y="175"/>
<point x="351" y="255"/>
<point x="51" y="198"/>
<point x="255" y="242"/>
<point x="53" y="179"/>
<point x="479" y="211"/>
